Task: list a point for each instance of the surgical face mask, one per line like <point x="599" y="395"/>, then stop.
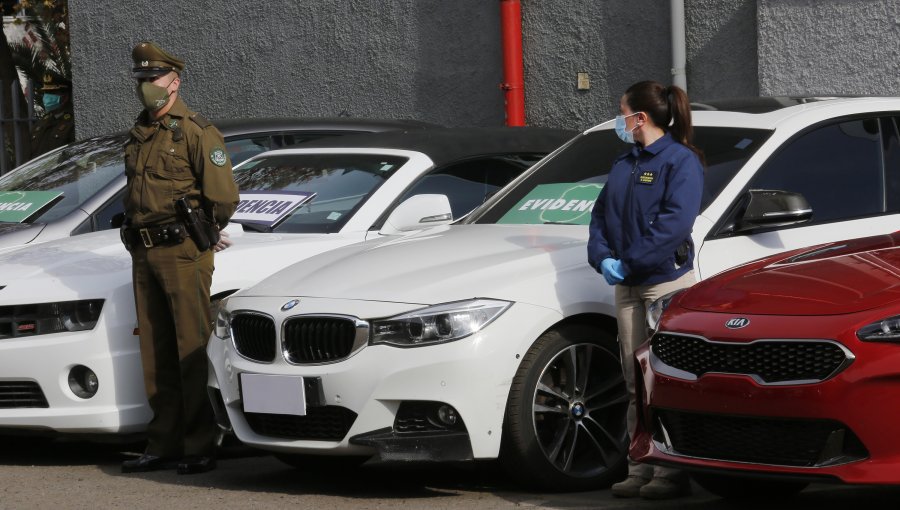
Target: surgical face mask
<point x="51" y="101"/>
<point x="153" y="97"/>
<point x="625" y="135"/>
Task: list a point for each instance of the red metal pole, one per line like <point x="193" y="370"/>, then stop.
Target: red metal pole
<point x="513" y="73"/>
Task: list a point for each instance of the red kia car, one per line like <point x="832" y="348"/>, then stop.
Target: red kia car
<point x="778" y="373"/>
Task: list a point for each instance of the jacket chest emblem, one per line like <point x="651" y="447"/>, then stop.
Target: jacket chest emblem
<point x="646" y="177"/>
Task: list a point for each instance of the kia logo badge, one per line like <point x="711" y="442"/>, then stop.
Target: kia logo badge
<point x="290" y="304"/>
<point x="737" y="323"/>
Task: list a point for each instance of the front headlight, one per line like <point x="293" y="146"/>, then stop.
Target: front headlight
<point x="46" y="318"/>
<point x="656" y="308"/>
<point x="887" y="330"/>
<point x="222" y="328"/>
<point x="437" y="324"/>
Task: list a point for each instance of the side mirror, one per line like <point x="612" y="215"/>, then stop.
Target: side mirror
<point x="768" y="208"/>
<point x="418" y="212"/>
<point x="117" y="220"/>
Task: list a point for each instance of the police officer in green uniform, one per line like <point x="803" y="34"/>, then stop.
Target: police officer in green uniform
<point x="57" y="126"/>
<point x="173" y="153"/>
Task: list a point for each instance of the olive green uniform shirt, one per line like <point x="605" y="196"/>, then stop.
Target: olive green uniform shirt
<point x="54" y="130"/>
<point x="179" y="155"/>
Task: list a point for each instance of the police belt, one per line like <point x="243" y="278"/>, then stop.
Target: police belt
<point x="156" y="235"/>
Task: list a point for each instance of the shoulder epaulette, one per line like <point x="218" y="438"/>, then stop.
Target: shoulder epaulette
<point x="200" y="120"/>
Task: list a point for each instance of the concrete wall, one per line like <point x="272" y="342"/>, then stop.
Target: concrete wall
<point x="721" y="45"/>
<point x="430" y="60"/>
<point x="616" y="42"/>
<point x="441" y="61"/>
<point x="829" y="47"/>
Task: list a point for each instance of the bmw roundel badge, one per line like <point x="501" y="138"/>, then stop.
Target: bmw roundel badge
<point x="290" y="304"/>
<point x="737" y="323"/>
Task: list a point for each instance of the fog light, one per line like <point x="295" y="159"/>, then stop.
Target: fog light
<point x="447" y="415"/>
<point x="83" y="382"/>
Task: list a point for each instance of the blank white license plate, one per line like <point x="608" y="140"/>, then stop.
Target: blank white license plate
<point x="273" y="394"/>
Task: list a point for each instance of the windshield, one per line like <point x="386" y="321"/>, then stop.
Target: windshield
<point x="78" y="171"/>
<point x="562" y="189"/>
<point x="341" y="183"/>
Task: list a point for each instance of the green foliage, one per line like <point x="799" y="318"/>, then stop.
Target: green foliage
<point x="48" y="53"/>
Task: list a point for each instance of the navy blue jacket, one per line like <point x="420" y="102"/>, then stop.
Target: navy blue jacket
<point x="646" y="210"/>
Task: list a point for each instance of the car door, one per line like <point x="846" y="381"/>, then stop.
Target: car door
<point x="847" y="170"/>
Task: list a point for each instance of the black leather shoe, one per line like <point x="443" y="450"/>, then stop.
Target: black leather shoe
<point x="196" y="464"/>
<point x="147" y="462"/>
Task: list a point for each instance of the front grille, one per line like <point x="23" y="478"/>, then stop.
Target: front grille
<point x="775" y="441"/>
<point x="16" y="394"/>
<point x="318" y="339"/>
<point x="329" y="423"/>
<point x="254" y="336"/>
<point x="773" y="361"/>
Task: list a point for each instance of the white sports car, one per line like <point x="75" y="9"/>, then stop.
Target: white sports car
<point x="78" y="188"/>
<point x="69" y="359"/>
<point x="492" y="337"/>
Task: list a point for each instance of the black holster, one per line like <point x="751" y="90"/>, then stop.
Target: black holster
<point x="123" y="234"/>
<point x="199" y="228"/>
<point x="682" y="252"/>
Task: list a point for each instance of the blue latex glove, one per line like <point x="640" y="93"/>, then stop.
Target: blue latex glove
<point x="612" y="270"/>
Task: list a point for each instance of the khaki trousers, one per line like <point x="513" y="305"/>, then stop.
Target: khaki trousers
<point x="631" y="306"/>
<point x="171" y="293"/>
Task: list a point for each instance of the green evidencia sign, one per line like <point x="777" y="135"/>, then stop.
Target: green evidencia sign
<point x="568" y="203"/>
<point x="18" y="206"/>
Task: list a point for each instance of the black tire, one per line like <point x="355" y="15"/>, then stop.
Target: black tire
<point x="737" y="488"/>
<point x="320" y="462"/>
<point x="547" y="444"/>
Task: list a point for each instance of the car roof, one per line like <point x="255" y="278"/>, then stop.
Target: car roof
<point x="237" y="127"/>
<point x="771" y="117"/>
<point x="443" y="145"/>
<point x="764" y="104"/>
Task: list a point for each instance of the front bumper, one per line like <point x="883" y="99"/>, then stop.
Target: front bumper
<point x="842" y="426"/>
<point x="110" y="350"/>
<point x="473" y="375"/>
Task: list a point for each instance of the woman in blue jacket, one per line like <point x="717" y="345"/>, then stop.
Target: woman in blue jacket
<point x="640" y="236"/>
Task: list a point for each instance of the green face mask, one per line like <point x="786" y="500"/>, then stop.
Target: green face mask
<point x="153" y="97"/>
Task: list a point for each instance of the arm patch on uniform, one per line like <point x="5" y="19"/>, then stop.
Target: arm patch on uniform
<point x="218" y="156"/>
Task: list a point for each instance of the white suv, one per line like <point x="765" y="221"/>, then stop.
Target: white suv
<point x="493" y="337"/>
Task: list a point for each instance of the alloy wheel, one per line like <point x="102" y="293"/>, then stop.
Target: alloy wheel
<point x="579" y="408"/>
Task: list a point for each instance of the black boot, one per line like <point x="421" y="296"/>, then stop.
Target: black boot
<point x="147" y="462"/>
<point x="193" y="464"/>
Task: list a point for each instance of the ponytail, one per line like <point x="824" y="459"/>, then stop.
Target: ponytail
<point x="668" y="107"/>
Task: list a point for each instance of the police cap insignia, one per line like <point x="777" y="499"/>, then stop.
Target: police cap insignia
<point x="151" y="61"/>
<point x="218" y="156"/>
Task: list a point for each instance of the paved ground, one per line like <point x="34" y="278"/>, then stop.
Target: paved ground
<point x="80" y="475"/>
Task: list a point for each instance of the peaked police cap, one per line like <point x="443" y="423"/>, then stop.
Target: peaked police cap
<point x="150" y="61"/>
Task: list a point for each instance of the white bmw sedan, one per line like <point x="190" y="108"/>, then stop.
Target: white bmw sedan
<point x="493" y="337"/>
<point x="69" y="356"/>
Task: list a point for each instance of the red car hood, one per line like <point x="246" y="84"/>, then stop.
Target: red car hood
<point x="831" y="279"/>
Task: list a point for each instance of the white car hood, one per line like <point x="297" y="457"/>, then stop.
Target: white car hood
<point x="544" y="265"/>
<point x="93" y="265"/>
